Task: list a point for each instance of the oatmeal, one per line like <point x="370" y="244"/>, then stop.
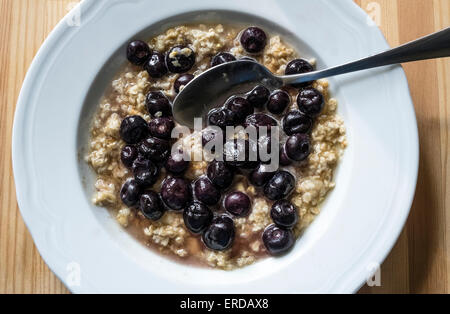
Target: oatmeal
<point x="213" y="213"/>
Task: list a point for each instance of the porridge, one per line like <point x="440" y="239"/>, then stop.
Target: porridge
<point x="220" y="213"/>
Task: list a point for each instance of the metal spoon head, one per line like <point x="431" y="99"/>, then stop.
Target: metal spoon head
<point x="211" y="88"/>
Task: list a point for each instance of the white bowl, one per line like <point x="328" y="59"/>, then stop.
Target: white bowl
<point x="360" y="220"/>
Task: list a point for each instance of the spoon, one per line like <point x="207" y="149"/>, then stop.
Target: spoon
<point x="199" y="96"/>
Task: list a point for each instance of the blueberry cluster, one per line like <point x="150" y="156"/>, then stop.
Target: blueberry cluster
<point x="148" y="147"/>
<point x="179" y="59"/>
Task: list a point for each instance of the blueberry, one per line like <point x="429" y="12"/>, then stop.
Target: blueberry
<point x="128" y="154"/>
<point x="180" y="59"/>
<point x="197" y="217"/>
<point x="156" y="65"/>
<point x="133" y="129"/>
<point x="278" y="241"/>
<point x="238" y="204"/>
<point x="161" y="127"/>
<point x="146" y="173"/>
<point x="254" y="40"/>
<point x="284" y="214"/>
<point x="222" y="57"/>
<point x="140" y="162"/>
<point x="155" y="149"/>
<point x="284" y="159"/>
<point x="310" y="101"/>
<point x="240" y="108"/>
<point x="221" y="117"/>
<point x="130" y="193"/>
<point x="176" y="163"/>
<point x="176" y="193"/>
<point x="138" y="52"/>
<point x="182" y="81"/>
<point x="151" y="206"/>
<point x="241" y="154"/>
<point x="280" y="186"/>
<point x="259" y="96"/>
<point x="278" y="102"/>
<point x="258" y="120"/>
<point x="212" y="135"/>
<point x="298" y="147"/>
<point x="260" y="176"/>
<point x="220" y="174"/>
<point x="206" y="192"/>
<point x="296" y="122"/>
<point x="219" y="235"/>
<point x="158" y="105"/>
<point x="299" y="66"/>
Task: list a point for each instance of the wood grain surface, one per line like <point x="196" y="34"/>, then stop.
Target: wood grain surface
<point x="419" y="262"/>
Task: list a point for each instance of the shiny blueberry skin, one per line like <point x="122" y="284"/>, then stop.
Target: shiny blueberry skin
<point x="284" y="159"/>
<point x="253" y="39"/>
<point x="260" y="176"/>
<point x="241" y="154"/>
<point x="219" y="235"/>
<point x="161" y="128"/>
<point x="310" y="101"/>
<point x="141" y="162"/>
<point x="280" y="186"/>
<point x="296" y="122"/>
<point x="197" y="217"/>
<point x="151" y="206"/>
<point x="130" y="193"/>
<point x="176" y="193"/>
<point x="259" y="120"/>
<point x="155" y="149"/>
<point x="158" y="105"/>
<point x="176" y="164"/>
<point x="220" y="174"/>
<point x="182" y="81"/>
<point x="156" y="65"/>
<point x="206" y="192"/>
<point x="299" y="66"/>
<point x="238" y="204"/>
<point x="259" y="96"/>
<point x="222" y="57"/>
<point x="146" y="173"/>
<point x="278" y="102"/>
<point x="277" y="240"/>
<point x="240" y="108"/>
<point x="298" y="147"/>
<point x="138" y="52"/>
<point x="180" y="59"/>
<point x="221" y="117"/>
<point x="133" y="129"/>
<point x="284" y="214"/>
<point x="128" y="154"/>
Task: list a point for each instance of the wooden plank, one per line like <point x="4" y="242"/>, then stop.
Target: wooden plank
<point x="419" y="261"/>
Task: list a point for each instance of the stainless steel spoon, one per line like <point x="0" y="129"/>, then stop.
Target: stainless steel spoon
<point x="203" y="93"/>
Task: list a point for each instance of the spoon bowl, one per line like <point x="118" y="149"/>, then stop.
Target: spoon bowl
<point x="215" y="85"/>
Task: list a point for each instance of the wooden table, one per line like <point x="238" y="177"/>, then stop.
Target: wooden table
<point x="420" y="261"/>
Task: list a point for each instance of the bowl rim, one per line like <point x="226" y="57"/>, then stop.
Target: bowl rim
<point x="33" y="73"/>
